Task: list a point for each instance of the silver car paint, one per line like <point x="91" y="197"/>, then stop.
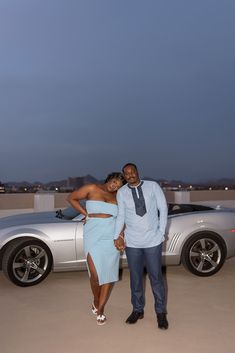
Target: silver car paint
<point x="65" y="237"/>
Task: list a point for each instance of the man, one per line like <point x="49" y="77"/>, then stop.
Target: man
<point x="143" y="211"/>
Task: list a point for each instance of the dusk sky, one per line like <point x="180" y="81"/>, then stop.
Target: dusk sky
<point x="86" y="86"/>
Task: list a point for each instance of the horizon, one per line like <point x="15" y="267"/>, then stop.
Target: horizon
<point x="209" y="180"/>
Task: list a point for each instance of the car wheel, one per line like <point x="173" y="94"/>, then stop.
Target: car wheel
<point x="204" y="254"/>
<point x="27" y="262"/>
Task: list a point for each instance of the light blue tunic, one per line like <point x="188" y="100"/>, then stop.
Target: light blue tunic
<point x="147" y="231"/>
<point x="98" y="241"/>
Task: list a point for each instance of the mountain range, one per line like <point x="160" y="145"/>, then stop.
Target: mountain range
<point x="90" y="179"/>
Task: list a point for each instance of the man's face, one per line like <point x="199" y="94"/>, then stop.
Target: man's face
<point x="131" y="175"/>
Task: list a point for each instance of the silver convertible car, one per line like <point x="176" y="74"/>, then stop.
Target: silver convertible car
<point x="31" y="245"/>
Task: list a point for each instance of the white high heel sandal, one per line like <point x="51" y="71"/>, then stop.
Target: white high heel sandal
<point x="93" y="309"/>
<point x="101" y="320"/>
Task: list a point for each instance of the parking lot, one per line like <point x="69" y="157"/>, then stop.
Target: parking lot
<point x="55" y="316"/>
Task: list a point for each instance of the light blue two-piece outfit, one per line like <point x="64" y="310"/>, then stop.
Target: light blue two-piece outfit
<point x="98" y="241"/>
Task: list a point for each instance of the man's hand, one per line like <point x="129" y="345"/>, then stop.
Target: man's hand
<point x="120" y="243"/>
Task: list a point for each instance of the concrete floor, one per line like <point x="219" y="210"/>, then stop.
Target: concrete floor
<point x="55" y="316"/>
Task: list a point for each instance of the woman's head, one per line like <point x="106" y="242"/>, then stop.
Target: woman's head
<point x="114" y="181"/>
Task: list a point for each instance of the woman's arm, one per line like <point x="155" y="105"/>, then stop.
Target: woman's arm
<point x="80" y="194"/>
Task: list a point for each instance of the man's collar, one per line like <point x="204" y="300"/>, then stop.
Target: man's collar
<point x="136" y="186"/>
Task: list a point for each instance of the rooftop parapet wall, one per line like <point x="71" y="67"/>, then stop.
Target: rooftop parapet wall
<point x="211" y="195"/>
<point x="16" y="201"/>
<point x="170" y="196"/>
<point x="27" y="200"/>
<point x="61" y="200"/>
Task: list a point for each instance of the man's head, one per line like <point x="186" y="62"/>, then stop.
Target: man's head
<point x="130" y="173"/>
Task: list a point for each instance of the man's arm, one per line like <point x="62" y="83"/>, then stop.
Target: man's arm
<point x="119" y="227"/>
<point x="162" y="207"/>
<point x="120" y="221"/>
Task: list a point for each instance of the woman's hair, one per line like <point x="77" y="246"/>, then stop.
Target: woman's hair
<point x="115" y="175"/>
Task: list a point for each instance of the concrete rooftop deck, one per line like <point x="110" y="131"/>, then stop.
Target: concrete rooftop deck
<point x="55" y="316"/>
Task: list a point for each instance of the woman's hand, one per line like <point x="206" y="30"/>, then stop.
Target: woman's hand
<point x="86" y="218"/>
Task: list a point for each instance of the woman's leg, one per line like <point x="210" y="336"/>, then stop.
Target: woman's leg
<point x="105" y="291"/>
<point x="101" y="293"/>
<point x="94" y="281"/>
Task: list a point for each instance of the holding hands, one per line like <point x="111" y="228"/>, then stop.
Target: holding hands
<point x="120" y="243"/>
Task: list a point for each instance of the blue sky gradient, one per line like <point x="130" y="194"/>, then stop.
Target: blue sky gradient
<point x="87" y="86"/>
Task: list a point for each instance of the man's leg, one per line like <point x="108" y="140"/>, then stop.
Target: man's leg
<point x="153" y="260"/>
<point x="135" y="258"/>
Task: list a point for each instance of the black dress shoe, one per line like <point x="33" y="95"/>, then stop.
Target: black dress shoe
<point x="162" y="321"/>
<point x="134" y="317"/>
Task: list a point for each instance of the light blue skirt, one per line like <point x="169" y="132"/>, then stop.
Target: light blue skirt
<point x="98" y="242"/>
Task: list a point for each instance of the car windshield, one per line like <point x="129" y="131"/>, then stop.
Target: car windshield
<point x="67" y="213"/>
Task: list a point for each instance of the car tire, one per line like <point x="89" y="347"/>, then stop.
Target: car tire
<point x="204" y="254"/>
<point x="27" y="262"/>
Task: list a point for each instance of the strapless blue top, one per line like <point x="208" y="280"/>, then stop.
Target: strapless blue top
<point x="93" y="206"/>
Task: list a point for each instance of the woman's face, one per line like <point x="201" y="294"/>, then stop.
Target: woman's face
<point x="114" y="184"/>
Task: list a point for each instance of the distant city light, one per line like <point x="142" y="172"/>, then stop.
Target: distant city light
<point x="56" y="189"/>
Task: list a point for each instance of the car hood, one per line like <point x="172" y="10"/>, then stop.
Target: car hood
<point x="29" y="218"/>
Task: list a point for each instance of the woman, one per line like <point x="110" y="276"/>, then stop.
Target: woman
<point x="99" y="221"/>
